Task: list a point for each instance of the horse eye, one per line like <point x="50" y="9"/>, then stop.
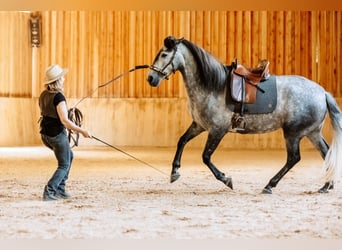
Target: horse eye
<point x="163" y="55"/>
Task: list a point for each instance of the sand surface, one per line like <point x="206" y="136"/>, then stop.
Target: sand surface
<point x="116" y="197"/>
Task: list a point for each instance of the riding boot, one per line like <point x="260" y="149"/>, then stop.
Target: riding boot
<point x="63" y="194"/>
<point x="49" y="194"/>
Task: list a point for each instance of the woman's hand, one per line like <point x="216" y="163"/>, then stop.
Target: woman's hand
<point x="86" y="133"/>
<point x="62" y="111"/>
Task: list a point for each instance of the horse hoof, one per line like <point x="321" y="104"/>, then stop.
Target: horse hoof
<point x="323" y="191"/>
<point x="267" y="190"/>
<point x="174" y="177"/>
<point x="229" y="183"/>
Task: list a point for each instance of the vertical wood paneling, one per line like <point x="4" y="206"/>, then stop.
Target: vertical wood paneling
<point x="255" y="38"/>
<point x="231" y="51"/>
<point x="246" y="38"/>
<point x="238" y="36"/>
<point x="297" y="43"/>
<point x="222" y="40"/>
<point x="305" y="45"/>
<point x="314" y="47"/>
<point x="118" y="67"/>
<point x="279" y="42"/>
<point x="338" y="52"/>
<point x="288" y="43"/>
<point x="97" y="46"/>
<point x="15" y="55"/>
<point x="271" y="40"/>
<point x="131" y="49"/>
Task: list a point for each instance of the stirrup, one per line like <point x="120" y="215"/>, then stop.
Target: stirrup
<point x="238" y="123"/>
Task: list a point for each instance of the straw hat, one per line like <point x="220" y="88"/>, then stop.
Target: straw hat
<point x="54" y="72"/>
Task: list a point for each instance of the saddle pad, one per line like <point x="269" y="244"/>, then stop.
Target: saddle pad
<point x="265" y="102"/>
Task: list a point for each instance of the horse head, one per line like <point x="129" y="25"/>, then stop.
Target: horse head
<point x="166" y="61"/>
<point x="170" y="42"/>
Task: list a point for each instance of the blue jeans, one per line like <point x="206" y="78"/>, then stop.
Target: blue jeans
<point x="64" y="155"/>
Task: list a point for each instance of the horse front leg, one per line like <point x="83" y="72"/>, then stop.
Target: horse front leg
<point x="214" y="138"/>
<point x="190" y="133"/>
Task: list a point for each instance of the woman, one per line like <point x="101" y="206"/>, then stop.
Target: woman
<point x="53" y="124"/>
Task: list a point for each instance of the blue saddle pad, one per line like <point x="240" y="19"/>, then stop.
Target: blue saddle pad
<point x="265" y="101"/>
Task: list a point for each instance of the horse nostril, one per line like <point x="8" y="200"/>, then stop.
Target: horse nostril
<point x="150" y="79"/>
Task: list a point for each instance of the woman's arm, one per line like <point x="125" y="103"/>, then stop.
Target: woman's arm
<point x="62" y="111"/>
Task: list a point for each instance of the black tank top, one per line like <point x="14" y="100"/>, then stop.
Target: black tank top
<point x="50" y="123"/>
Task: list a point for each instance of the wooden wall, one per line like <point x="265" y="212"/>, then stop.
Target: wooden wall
<point x="99" y="45"/>
<point x="15" y="55"/>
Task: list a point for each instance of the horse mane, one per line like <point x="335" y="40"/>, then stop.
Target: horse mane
<point x="213" y="74"/>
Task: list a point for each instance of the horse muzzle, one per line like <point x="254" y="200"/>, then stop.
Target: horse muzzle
<point x="153" y="80"/>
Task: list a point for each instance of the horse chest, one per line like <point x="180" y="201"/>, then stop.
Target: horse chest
<point x="209" y="112"/>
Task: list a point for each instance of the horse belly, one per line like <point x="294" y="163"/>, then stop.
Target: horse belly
<point x="258" y="124"/>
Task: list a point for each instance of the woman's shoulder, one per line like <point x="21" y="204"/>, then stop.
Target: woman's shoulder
<point x="59" y="97"/>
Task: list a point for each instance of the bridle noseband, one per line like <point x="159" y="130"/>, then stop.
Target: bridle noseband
<point x="162" y="71"/>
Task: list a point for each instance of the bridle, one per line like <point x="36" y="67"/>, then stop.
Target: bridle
<point x="162" y="71"/>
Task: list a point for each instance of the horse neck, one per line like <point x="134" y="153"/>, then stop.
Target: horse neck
<point x="191" y="77"/>
<point x="192" y="82"/>
<point x="190" y="71"/>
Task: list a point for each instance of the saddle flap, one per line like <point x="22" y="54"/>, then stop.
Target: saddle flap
<point x="266" y="100"/>
<point x="236" y="86"/>
<point x="242" y="90"/>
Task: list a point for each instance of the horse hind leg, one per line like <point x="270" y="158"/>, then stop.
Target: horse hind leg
<point x="293" y="157"/>
<point x="322" y="146"/>
<point x="193" y="130"/>
<point x="214" y="138"/>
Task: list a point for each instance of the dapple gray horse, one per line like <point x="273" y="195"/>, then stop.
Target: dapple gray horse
<point x="300" y="111"/>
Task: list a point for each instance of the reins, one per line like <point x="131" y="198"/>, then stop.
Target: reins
<point x="112" y="80"/>
<point x="75" y="115"/>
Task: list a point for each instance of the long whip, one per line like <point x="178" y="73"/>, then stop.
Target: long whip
<point x="112" y="80"/>
<point x="76" y="115"/>
<point x="131" y="156"/>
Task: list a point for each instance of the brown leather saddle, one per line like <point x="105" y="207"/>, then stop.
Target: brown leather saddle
<point x="245" y="81"/>
<point x="244" y="85"/>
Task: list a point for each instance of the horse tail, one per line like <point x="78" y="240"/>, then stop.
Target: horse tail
<point x="333" y="158"/>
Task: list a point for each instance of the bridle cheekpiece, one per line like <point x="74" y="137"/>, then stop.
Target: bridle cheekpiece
<point x="170" y="43"/>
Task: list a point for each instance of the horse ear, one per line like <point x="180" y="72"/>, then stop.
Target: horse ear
<point x="170" y="42"/>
